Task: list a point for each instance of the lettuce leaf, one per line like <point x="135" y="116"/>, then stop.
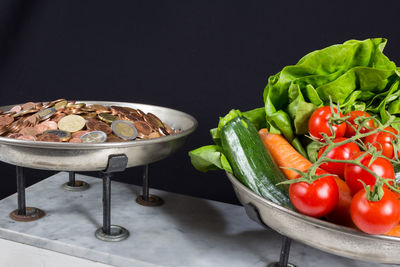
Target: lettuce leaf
<point x="355" y="74"/>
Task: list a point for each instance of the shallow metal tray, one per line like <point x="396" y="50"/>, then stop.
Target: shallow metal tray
<point x="94" y="157"/>
<point x="326" y="236"/>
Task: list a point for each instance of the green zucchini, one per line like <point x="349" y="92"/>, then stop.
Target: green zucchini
<point x="251" y="162"/>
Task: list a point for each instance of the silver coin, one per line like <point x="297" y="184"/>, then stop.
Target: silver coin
<point x="94" y="137"/>
<point x="64" y="135"/>
<point x="46" y="113"/>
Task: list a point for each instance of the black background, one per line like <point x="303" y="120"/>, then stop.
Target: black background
<point x="201" y="57"/>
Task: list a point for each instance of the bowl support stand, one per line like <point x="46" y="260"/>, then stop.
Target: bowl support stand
<point x="108" y="232"/>
<point x="254" y="215"/>
<point x="75" y="185"/>
<point x="113" y="233"/>
<point x="24" y="213"/>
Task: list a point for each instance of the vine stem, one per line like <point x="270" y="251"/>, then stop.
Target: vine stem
<point x="332" y="145"/>
<point x="310" y="175"/>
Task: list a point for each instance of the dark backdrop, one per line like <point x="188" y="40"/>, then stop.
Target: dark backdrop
<point x="201" y="57"/>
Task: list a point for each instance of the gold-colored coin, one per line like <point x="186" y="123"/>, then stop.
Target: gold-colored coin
<point x="71" y="123"/>
<point x="124" y="129"/>
<point x="106" y="117"/>
<point x="61" y="104"/>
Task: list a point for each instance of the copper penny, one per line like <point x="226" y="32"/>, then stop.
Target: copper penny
<point x="58" y="116"/>
<point x="143" y="127"/>
<point x="29" y="131"/>
<point x="118" y="110"/>
<point x="33" y="119"/>
<point x="27" y="138"/>
<point x="41" y="128"/>
<point x="91" y="124"/>
<point x="133" y="117"/>
<point x="16" y="109"/>
<point x="153" y="120"/>
<point x="104" y="128"/>
<point x="99" y="108"/>
<point x="96" y="125"/>
<point x="75" y="140"/>
<point x="29" y="105"/>
<point x="14" y="135"/>
<point x="114" y="138"/>
<point x="3" y="130"/>
<point x="154" y="135"/>
<point x="49" y="138"/>
<point x="6" y="120"/>
<point x="51" y="125"/>
<point x="78" y="134"/>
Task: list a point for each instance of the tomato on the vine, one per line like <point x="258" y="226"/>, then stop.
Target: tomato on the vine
<point x="352" y="173"/>
<point x="343" y="152"/>
<point x="353" y="115"/>
<point x="375" y="217"/>
<point x="341" y="213"/>
<point x="383" y="141"/>
<point x="318" y="123"/>
<point x="316" y="199"/>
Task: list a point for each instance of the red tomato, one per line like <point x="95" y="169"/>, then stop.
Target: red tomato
<point x="375" y="217"/>
<point x="318" y="123"/>
<point x="352" y="173"/>
<point x="383" y="140"/>
<point x="341" y="213"/>
<point x="316" y="199"/>
<point x="353" y="115"/>
<point x="343" y="152"/>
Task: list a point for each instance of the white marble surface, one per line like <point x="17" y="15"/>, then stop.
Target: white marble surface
<point x="185" y="231"/>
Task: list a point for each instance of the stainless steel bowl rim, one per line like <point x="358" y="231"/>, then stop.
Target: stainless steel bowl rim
<point x="59" y="145"/>
<point x="311" y="220"/>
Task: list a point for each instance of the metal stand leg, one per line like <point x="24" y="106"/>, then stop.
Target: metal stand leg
<point x="284" y="257"/>
<point x="146" y="199"/>
<point x="285" y="250"/>
<point x="107" y="204"/>
<point x="23" y="213"/>
<point x="116" y="163"/>
<point x="253" y="214"/>
<point x="73" y="185"/>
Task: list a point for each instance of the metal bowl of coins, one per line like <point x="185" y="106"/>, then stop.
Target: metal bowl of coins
<point x="323" y="235"/>
<point x="81" y="135"/>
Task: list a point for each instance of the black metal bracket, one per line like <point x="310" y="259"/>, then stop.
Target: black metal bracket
<point x="23" y="213"/>
<point x="146" y="199"/>
<point x="253" y="213"/>
<point x="116" y="163"/>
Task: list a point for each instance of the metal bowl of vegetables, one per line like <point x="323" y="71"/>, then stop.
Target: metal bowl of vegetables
<point x="356" y="77"/>
<point x="323" y="235"/>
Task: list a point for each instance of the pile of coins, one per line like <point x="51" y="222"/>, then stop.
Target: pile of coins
<point x="68" y="121"/>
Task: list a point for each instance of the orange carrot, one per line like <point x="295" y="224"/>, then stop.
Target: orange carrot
<point x="395" y="231"/>
<point x="284" y="154"/>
